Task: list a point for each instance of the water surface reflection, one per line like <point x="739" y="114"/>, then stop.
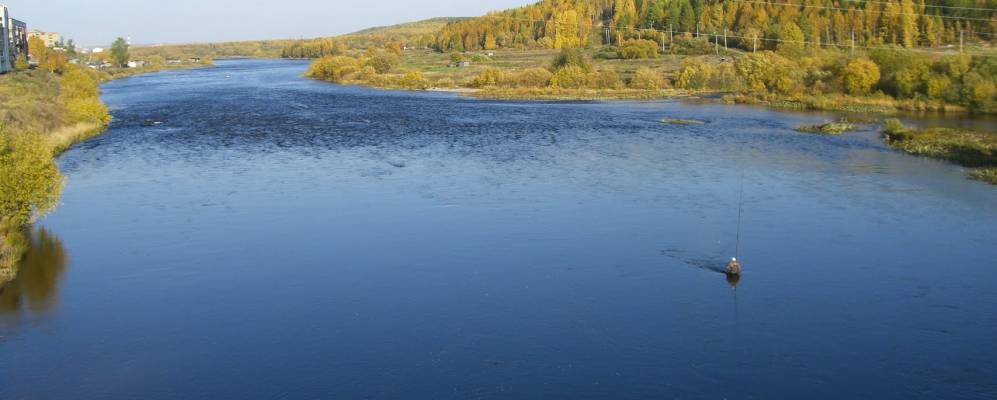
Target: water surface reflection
<point x="36" y="287"/>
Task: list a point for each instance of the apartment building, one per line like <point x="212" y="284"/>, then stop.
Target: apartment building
<point x="50" y="38"/>
<point x="13" y="40"/>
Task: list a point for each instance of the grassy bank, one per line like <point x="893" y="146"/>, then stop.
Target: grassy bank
<point x="971" y="149"/>
<point x="882" y="81"/>
<point x="43" y="114"/>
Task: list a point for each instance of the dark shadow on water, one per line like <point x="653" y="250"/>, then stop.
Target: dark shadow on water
<point x="704" y="264"/>
<point x="36" y="286"/>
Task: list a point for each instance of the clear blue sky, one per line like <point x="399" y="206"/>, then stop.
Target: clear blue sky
<point x="98" y="22"/>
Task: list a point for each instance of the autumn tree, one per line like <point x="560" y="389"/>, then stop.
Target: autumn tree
<point x="791" y="39"/>
<point x="21" y="63"/>
<point x="29" y="179"/>
<point x="859" y="75"/>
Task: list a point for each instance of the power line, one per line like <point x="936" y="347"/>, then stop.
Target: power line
<point x="971" y="32"/>
<point x="925" y="5"/>
<point x="845" y="9"/>
<point x="738" y="36"/>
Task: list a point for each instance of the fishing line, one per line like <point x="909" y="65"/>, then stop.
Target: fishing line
<point x="740" y="211"/>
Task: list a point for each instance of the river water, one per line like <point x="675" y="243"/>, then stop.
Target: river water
<point x="241" y="232"/>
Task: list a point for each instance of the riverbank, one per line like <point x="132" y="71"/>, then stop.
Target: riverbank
<point x="883" y="81"/>
<point x="44" y="114"/>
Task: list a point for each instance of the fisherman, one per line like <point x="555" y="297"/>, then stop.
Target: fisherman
<point x="733" y="267"/>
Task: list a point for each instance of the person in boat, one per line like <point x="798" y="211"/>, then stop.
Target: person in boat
<point x="733" y="267"/>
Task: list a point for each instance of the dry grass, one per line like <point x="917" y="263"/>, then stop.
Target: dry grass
<point x="62" y="138"/>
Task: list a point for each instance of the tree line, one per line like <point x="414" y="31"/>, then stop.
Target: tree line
<point x="574" y="23"/>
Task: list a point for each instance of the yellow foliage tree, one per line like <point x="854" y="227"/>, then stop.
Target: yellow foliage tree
<point x="29" y="179"/>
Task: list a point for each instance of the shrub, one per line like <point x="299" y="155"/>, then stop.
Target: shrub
<point x="383" y="62"/>
<point x="365" y="74"/>
<point x="80" y="96"/>
<point x="533" y="78"/>
<point x="414" y="80"/>
<point x="488" y="77"/>
<point x="767" y="71"/>
<point x="638" y="48"/>
<point x="694" y="74"/>
<point x="859" y="75"/>
<point x="21" y="63"/>
<point x="456" y="57"/>
<point x="571" y="58"/>
<point x="605" y="79"/>
<point x="938" y="86"/>
<point x="646" y="79"/>
<point x="570" y="77"/>
<point x="332" y="68"/>
<point x="29" y="179"/>
<point x="77" y="85"/>
<point x="445" y="83"/>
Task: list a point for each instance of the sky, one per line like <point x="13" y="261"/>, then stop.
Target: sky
<point x="98" y="22"/>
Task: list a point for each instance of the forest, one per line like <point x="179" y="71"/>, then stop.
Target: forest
<point x="749" y="24"/>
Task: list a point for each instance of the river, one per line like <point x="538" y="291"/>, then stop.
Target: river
<point x="242" y="232"/>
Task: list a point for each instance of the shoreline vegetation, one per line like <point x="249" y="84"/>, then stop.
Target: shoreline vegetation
<point x="45" y="111"/>
<point x="974" y="150"/>
<point x="828" y="128"/>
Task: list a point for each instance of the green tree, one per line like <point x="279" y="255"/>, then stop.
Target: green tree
<point x="119" y="52"/>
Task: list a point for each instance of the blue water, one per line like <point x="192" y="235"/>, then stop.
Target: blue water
<point x="242" y="232"/>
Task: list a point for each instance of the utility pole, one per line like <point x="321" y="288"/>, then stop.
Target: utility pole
<point x="662" y="37"/>
<point x="725" y="39"/>
<point x="671" y="35"/>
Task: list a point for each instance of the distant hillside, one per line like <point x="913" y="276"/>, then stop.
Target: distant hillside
<point x="420" y="32"/>
<point x="572" y="23"/>
<point x="416" y="34"/>
<point x="429" y="26"/>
